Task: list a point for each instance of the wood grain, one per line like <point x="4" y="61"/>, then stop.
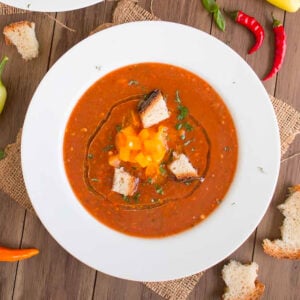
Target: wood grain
<point x="21" y="79"/>
<point x="54" y="274"/>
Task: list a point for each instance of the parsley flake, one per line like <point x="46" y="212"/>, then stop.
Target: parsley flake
<point x="95" y="179"/>
<point x="159" y="189"/>
<point x="90" y="156"/>
<point x="178" y="126"/>
<point x="188" y="127"/>
<point x="162" y="169"/>
<point x="108" y="148"/>
<point x="177" y="97"/>
<point x="125" y="198"/>
<point x="183" y="112"/>
<point x="118" y="127"/>
<point x="136" y="197"/>
<point x="133" y="82"/>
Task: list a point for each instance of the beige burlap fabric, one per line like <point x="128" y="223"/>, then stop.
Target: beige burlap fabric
<point x="12" y="181"/>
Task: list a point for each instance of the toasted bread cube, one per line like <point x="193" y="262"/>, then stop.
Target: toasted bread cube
<point x="181" y="167"/>
<point x="22" y="35"/>
<point x="153" y="109"/>
<point x="241" y="283"/>
<point x="124" y="183"/>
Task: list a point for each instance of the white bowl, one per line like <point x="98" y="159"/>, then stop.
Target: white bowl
<point x="50" y="5"/>
<point x="193" y="250"/>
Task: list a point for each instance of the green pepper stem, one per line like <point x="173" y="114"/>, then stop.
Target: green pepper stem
<point x="232" y="14"/>
<point x="2" y="65"/>
<point x="276" y="22"/>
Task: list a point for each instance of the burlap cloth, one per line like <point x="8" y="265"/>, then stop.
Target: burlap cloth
<point x="11" y="179"/>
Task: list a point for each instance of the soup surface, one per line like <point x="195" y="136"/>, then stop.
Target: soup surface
<point x="105" y="133"/>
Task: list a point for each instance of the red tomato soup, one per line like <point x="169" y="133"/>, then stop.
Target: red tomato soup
<point x="150" y="179"/>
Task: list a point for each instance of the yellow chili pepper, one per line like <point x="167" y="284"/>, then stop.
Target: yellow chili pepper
<point x="288" y="5"/>
<point x="3" y="92"/>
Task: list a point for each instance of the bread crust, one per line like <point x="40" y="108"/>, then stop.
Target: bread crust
<point x="148" y="105"/>
<point x="253" y="295"/>
<point x="276" y="251"/>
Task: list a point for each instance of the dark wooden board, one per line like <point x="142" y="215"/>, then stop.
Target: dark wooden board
<point x="54" y="274"/>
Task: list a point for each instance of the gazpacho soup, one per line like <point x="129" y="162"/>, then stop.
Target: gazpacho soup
<point x="150" y="149"/>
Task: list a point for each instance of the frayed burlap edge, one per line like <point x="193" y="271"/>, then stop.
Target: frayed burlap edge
<point x="288" y="121"/>
<point x="12" y="182"/>
<point x="129" y="11"/>
<point x="10" y="10"/>
<point x="175" y="289"/>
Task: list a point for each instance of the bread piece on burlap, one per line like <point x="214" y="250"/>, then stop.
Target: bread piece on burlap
<point x="289" y="244"/>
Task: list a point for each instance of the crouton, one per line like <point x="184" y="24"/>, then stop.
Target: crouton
<point x="153" y="109"/>
<point x="22" y="35"/>
<point x="241" y="283"/>
<point x="124" y="183"/>
<point x="181" y="167"/>
<point x="289" y="245"/>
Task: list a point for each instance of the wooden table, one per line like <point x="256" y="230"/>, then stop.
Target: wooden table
<point x="55" y="274"/>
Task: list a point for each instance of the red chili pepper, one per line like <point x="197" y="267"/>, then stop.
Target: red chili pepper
<point x="252" y="24"/>
<point x="280" y="47"/>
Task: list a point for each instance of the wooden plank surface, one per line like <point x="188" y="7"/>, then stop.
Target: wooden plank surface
<point x="55" y="274"/>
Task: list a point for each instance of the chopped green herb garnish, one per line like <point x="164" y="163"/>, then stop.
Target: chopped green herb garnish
<point x="183" y="112"/>
<point x="95" y="179"/>
<point x="159" y="189"/>
<point x="149" y="180"/>
<point x="133" y="82"/>
<point x="188" y="142"/>
<point x="182" y="136"/>
<point x="108" y="148"/>
<point x="136" y="197"/>
<point x="118" y="127"/>
<point x="125" y="198"/>
<point x="90" y="156"/>
<point x="98" y="68"/>
<point x="178" y="126"/>
<point x="162" y="169"/>
<point x="177" y="98"/>
<point x="188" y="127"/>
<point x="261" y="169"/>
<point x="188" y="182"/>
<point x="2" y="154"/>
<point x="233" y="203"/>
<point x="28" y="5"/>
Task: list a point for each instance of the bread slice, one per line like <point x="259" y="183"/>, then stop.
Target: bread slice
<point x="241" y="283"/>
<point x="22" y="35"/>
<point x="153" y="109"/>
<point x="289" y="245"/>
<point x="124" y="183"/>
<point x="181" y="167"/>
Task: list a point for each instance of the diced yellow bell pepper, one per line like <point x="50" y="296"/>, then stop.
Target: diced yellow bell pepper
<point x="146" y="148"/>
